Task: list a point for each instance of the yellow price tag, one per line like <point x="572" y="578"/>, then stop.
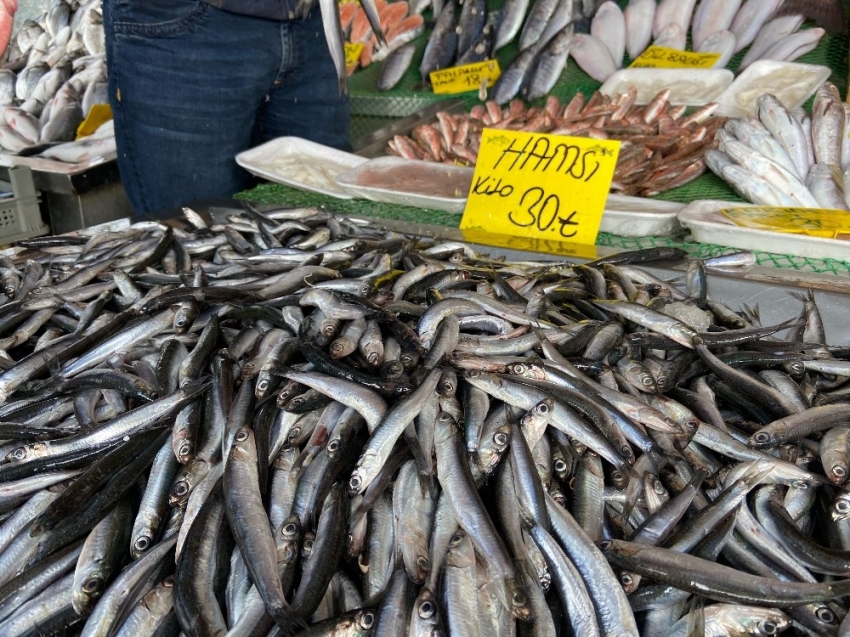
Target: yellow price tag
<point x="547" y="187"/>
<point x="661" y="57"/>
<point x="468" y="77"/>
<point x="98" y="115"/>
<point x="814" y="222"/>
<point x="352" y="53"/>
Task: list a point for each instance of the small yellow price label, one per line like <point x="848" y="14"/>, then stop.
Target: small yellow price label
<point x="352" y="53"/>
<point x="531" y="244"/>
<point x="814" y="222"/>
<point x="662" y="57"/>
<point x="98" y="115"/>
<point x="467" y="77"/>
<point x="545" y="187"/>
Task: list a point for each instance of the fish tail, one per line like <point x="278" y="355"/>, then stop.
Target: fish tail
<point x="828" y="14"/>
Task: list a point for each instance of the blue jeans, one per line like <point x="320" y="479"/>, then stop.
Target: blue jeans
<point x="191" y="86"/>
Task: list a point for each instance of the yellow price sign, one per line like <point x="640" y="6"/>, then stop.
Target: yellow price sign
<point x="352" y="53"/>
<point x="662" y="57"/>
<point x="467" y="77"/>
<point x="814" y="222"/>
<point x="531" y="244"/>
<point x="547" y="187"/>
<point x="98" y="115"/>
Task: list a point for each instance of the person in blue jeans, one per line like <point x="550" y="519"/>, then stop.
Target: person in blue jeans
<point x="194" y="82"/>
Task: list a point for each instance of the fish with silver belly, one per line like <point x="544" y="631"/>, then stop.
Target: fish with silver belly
<point x="286" y="421"/>
<point x="775" y="147"/>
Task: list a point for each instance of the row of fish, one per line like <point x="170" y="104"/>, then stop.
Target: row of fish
<point x="54" y="71"/>
<point x="717" y="26"/>
<point x="294" y="423"/>
<point x="661" y="147"/>
<point x="788" y="158"/>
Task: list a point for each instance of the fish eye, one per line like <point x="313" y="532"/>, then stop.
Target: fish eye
<point x="333" y="445"/>
<point x="142" y="544"/>
<point x="168" y="582"/>
<point x="367" y="620"/>
<point x="842" y="506"/>
<point x="355" y="482"/>
<point x="263" y="385"/>
<point x="445" y="417"/>
<point x="92" y="585"/>
<point x="800" y="484"/>
<point x="626" y="579"/>
<point x="517" y="368"/>
<point x="543" y="408"/>
<point x="185" y="449"/>
<point x="560" y="465"/>
<point x="604" y="545"/>
<point x="767" y="627"/>
<point x="20" y="453"/>
<point x="423" y="563"/>
<point x="289" y="529"/>
<point x="501" y="438"/>
<point x="473" y="373"/>
<point x="308" y="545"/>
<point x="647" y="381"/>
<point x="447" y="387"/>
<point x="181" y="489"/>
<point x="560" y="499"/>
<point x="839" y="470"/>
<point x="427" y="609"/>
<point x="616" y="476"/>
<point x="519" y="598"/>
<point x="825" y="615"/>
<point x="457" y="538"/>
<point x="241" y="435"/>
<point x="294" y="432"/>
<point x="762" y="437"/>
<point x="658" y="487"/>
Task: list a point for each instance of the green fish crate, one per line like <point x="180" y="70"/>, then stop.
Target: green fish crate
<point x="20" y="216"/>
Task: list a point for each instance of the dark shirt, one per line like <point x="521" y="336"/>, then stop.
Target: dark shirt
<point x="270" y="9"/>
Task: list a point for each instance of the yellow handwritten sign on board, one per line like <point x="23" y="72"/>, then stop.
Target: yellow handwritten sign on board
<point x="548" y="187"/>
<point x="467" y="77"/>
<point x="352" y="53"/>
<point x="662" y="57"/>
<point x="814" y="222"/>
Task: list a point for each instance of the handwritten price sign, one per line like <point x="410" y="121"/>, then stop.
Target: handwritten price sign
<point x="467" y="77"/>
<point x="540" y="186"/>
<point x="662" y="57"/>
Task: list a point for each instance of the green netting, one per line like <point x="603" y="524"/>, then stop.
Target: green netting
<point x="283" y="195"/>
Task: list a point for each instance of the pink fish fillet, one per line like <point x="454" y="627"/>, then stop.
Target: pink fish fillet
<point x="7" y="19"/>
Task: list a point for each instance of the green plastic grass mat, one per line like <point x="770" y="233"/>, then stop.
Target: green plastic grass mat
<point x="286" y="196"/>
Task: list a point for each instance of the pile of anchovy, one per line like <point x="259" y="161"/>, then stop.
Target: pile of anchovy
<point x="296" y="423"/>
<point x="661" y="148"/>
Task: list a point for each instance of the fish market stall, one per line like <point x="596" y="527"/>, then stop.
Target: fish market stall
<point x="55" y="114"/>
<point x="372" y="429"/>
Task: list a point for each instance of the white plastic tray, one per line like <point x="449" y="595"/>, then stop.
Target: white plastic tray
<point x="437" y="175"/>
<point x="640" y="217"/>
<point x="693" y="87"/>
<point x="792" y="84"/>
<point x="707" y="225"/>
<point x="286" y="160"/>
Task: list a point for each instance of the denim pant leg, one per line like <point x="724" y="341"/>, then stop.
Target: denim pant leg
<point x="305" y="99"/>
<point x="185" y="83"/>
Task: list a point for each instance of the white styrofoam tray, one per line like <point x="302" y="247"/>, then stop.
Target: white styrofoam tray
<point x="707" y="225"/>
<point x="693" y="87"/>
<point x="426" y="170"/>
<point x="791" y="83"/>
<point x="286" y="160"/>
<point x="640" y="217"/>
<point x="626" y="216"/>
